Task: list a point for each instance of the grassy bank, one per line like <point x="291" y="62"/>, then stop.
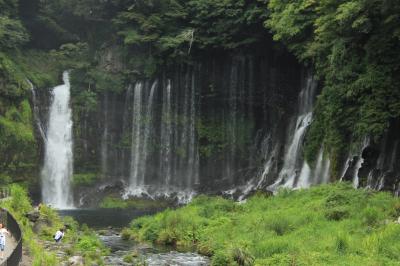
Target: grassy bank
<point x="79" y="240"/>
<point x="325" y="225"/>
<point x="115" y="202"/>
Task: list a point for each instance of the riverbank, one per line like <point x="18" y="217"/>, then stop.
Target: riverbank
<point x="325" y="225"/>
<point x="39" y="226"/>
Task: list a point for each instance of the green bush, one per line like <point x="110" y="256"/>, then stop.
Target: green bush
<point x="279" y="224"/>
<point x="242" y="256"/>
<point x="220" y="259"/>
<point x="336" y="214"/>
<point x="341" y="243"/>
<point x="371" y="216"/>
<point x="85" y="179"/>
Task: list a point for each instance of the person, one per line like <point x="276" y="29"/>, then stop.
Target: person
<point x="59" y="235"/>
<point x="3" y="232"/>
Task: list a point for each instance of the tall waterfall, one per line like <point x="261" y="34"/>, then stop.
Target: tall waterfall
<point x="166" y="136"/>
<point x="137" y="132"/>
<point x="58" y="160"/>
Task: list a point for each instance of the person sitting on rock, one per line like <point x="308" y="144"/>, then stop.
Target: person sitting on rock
<point x="59" y="235"/>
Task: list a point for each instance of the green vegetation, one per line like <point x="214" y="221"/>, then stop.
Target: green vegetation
<point x="111" y="202"/>
<point x="80" y="240"/>
<point x="352" y="44"/>
<point x="86" y="179"/>
<point x="18" y="206"/>
<point x="325" y="225"/>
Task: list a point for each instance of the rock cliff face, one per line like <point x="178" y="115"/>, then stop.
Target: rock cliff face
<point x="195" y="127"/>
<point x="231" y="123"/>
<point x="376" y="166"/>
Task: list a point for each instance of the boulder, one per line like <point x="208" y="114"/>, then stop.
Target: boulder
<point x="76" y="261"/>
<point x="33" y="216"/>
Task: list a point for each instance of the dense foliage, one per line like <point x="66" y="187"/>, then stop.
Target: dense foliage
<point x="353" y="45"/>
<point x="327" y="225"/>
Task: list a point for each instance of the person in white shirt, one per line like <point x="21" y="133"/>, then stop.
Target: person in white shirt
<point x="3" y="232"/>
<point x="59" y="235"/>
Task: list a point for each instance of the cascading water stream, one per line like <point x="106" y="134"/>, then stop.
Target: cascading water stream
<point x="58" y="161"/>
<point x="104" y="139"/>
<point x="359" y="164"/>
<point x="36" y="112"/>
<point x="166" y="137"/>
<point x="136" y="137"/>
<point x="193" y="162"/>
<point x="290" y="171"/>
<point x="320" y="175"/>
<point x="148" y="121"/>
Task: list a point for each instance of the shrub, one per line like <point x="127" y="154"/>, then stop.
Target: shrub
<point x="336" y="214"/>
<point x="220" y="259"/>
<point x="279" y="224"/>
<point x="125" y="234"/>
<point x="269" y="247"/>
<point x="128" y="258"/>
<point x="371" y="216"/>
<point x="341" y="243"/>
<point x="167" y="236"/>
<point x="84" y="179"/>
<point x="242" y="256"/>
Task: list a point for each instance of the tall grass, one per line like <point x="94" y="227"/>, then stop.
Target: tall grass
<point x="326" y="225"/>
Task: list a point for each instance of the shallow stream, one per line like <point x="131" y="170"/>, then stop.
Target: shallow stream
<point x="108" y="223"/>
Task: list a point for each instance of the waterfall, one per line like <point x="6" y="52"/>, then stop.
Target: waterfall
<point x="193" y="162"/>
<point x="345" y="168"/>
<point x="148" y="122"/>
<point x="166" y="137"/>
<point x="142" y="130"/>
<point x="320" y="174"/>
<point x="176" y="158"/>
<point x="36" y="113"/>
<point x="135" y="182"/>
<point x="58" y="160"/>
<point x="359" y="163"/>
<point x="290" y="171"/>
<point x="125" y="128"/>
<point x="104" y="139"/>
<point x="304" y="177"/>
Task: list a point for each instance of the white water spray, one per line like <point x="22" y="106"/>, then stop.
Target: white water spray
<point x="58" y="160"/>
